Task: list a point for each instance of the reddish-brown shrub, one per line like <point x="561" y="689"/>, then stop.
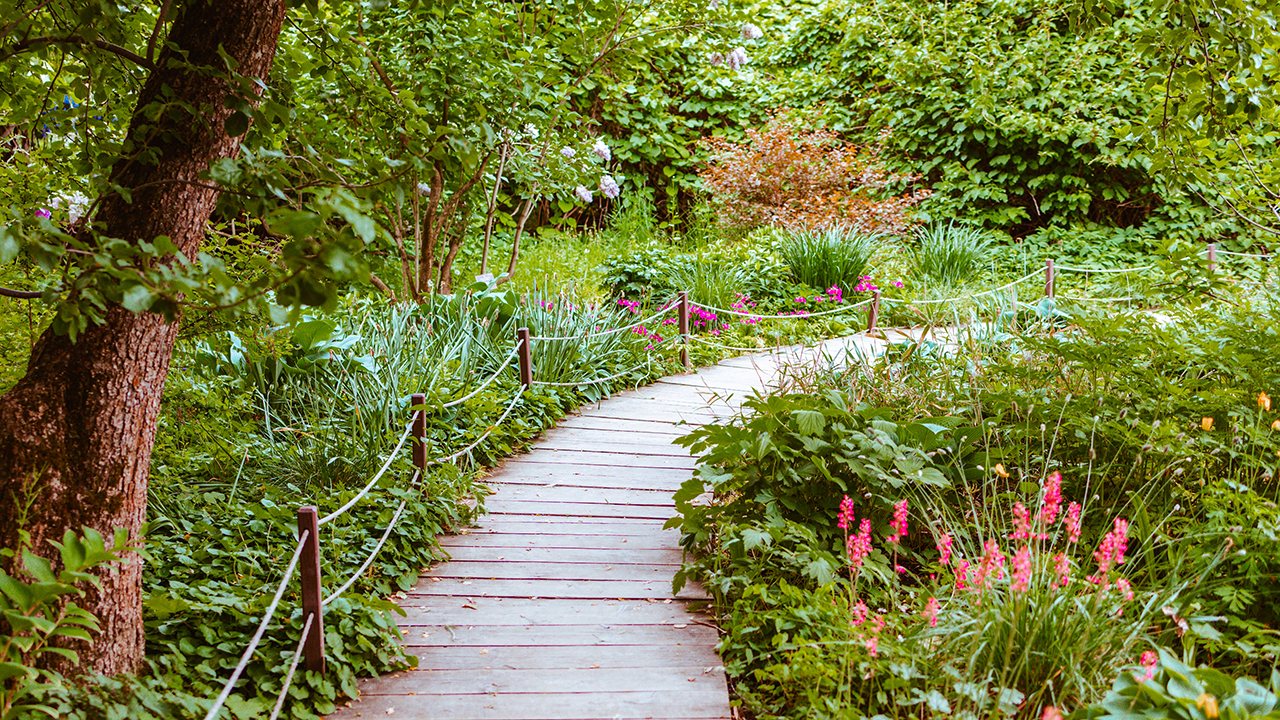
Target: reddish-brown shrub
<point x="792" y="176"/>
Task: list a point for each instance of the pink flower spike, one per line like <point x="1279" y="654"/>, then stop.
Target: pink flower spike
<point x="1073" y="522"/>
<point x="944" y="548"/>
<point x="962" y="574"/>
<point x="846" y="513"/>
<point x="1021" y="570"/>
<point x="1021" y="523"/>
<point x="1052" y="501"/>
<point x="859" y="613"/>
<point x="859" y="546"/>
<point x="1061" y="569"/>
<point x="931" y="612"/>
<point x="1149" y="662"/>
<point x="1125" y="590"/>
<point x="899" y="523"/>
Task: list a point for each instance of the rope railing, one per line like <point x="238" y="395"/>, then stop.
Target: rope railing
<point x="792" y="316"/>
<point x="1103" y="271"/>
<point x="970" y="296"/>
<point x="596" y="381"/>
<point x="378" y="476"/>
<point x="510" y="356"/>
<point x="667" y="308"/>
<point x="293" y="666"/>
<point x="378" y="548"/>
<point x="485" y="436"/>
<point x="262" y="628"/>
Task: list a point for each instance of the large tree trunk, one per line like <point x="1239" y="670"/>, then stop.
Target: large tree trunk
<point x="84" y="417"/>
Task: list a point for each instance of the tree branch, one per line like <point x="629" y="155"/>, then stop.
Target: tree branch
<point x="20" y="294"/>
<point x="100" y="44"/>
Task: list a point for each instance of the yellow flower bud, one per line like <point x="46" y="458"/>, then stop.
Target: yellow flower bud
<point x="1209" y="704"/>
<point x="1276" y="426"/>
<point x="1264" y="402"/>
<point x="1206" y="423"/>
<point x="999" y="468"/>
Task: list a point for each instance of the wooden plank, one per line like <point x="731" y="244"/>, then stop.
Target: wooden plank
<point x="569" y="493"/>
<point x="609" y="460"/>
<point x="535" y="525"/>
<point x="482" y="636"/>
<point x="603" y="543"/>
<point x="586" y="589"/>
<point x="605" y="656"/>
<point x="616" y="556"/>
<point x="696" y="703"/>
<point x="662" y="481"/>
<point x="622" y="425"/>
<point x="614" y="455"/>
<point x="524" y="612"/>
<point x="604" y="441"/>
<point x="481" y="571"/>
<point x="510" y="506"/>
<point x="504" y="680"/>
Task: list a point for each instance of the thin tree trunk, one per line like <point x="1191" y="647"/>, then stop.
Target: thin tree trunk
<point x="84" y="416"/>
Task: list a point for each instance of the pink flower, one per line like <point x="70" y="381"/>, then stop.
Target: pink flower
<point x="716" y="58"/>
<point x="1021" y="570"/>
<point x="1062" y="569"/>
<point x="1110" y="552"/>
<point x="602" y="151"/>
<point x="737" y="59"/>
<point x="583" y="194"/>
<point x="1052" y="502"/>
<point x="1149" y="662"/>
<point x="1021" y="523"/>
<point x="896" y="283"/>
<point x="962" y="574"/>
<point x="944" y="547"/>
<point x="991" y="566"/>
<point x="43" y="214"/>
<point x="845" y="516"/>
<point x="859" y="546"/>
<point x="899" y="523"/>
<point x="859" y="613"/>
<point x="931" y="612"/>
<point x="873" y="645"/>
<point x="1073" y="522"/>
<point x="1125" y="590"/>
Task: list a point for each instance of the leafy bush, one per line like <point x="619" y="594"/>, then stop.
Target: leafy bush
<point x="832" y="257"/>
<point x="795" y="177"/>
<point x="1167" y="689"/>
<point x="950" y="255"/>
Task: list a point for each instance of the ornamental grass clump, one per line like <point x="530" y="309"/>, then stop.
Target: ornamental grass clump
<point x="836" y="256"/>
<point x="950" y="254"/>
<point x="1026" y="620"/>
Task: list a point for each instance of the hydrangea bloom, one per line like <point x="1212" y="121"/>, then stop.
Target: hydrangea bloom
<point x="568" y="152"/>
<point x="583" y="194"/>
<point x="602" y="151"/>
<point x="751" y="32"/>
<point x="716" y="58"/>
<point x="609" y="187"/>
<point x="737" y="58"/>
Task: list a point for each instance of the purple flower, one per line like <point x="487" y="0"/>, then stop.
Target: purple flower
<point x="42" y="213"/>
<point x="583" y="194"/>
<point x="568" y="152"/>
<point x="609" y="187"/>
<point x="751" y="32"/>
<point x="602" y="151"/>
<point x="716" y="58"/>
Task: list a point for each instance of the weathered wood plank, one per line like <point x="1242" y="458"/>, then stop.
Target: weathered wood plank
<point x="513" y="506"/>
<point x="504" y="680"/>
<point x="524" y="612"/>
<point x="619" y="460"/>
<point x="604" y="441"/>
<point x="519" y="541"/>
<point x="586" y="589"/>
<point x="472" y="570"/>
<point x="571" y="493"/>
<point x="535" y="525"/>
<point x="482" y="636"/>
<point x="618" y="556"/>
<point x="696" y="703"/>
<point x="623" y="425"/>
<point x="605" y="656"/>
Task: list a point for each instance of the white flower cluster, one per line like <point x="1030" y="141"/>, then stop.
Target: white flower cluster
<point x="76" y="204"/>
<point x="583" y="194"/>
<point x="736" y="59"/>
<point x="568" y="152"/>
<point x="602" y="151"/>
<point x="609" y="187"/>
<point x="751" y="32"/>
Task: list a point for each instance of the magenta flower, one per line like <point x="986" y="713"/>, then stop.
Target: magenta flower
<point x="1073" y="522"/>
<point x="1061" y="569"/>
<point x="859" y="546"/>
<point x="43" y="214"/>
<point x="931" y="612"/>
<point x="944" y="547"/>
<point x="845" y="516"/>
<point x="1149" y="662"/>
<point x="1052" y="502"/>
<point x="899" y="524"/>
<point x="1021" y="523"/>
<point x="1021" y="570"/>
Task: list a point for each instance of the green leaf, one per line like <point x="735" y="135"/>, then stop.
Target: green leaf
<point x="236" y="124"/>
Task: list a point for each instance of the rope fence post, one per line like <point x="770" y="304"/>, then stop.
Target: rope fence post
<point x="684" y="328"/>
<point x="308" y="522"/>
<point x="874" y="313"/>
<point x="420" y="433"/>
<point x="526" y="357"/>
<point x="1213" y="257"/>
<point x="1048" y="279"/>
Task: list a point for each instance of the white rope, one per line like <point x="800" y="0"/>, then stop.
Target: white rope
<point x="1069" y="268"/>
<point x="482" y="438"/>
<point x="602" y="333"/>
<point x="262" y="627"/>
<point x="963" y="297"/>
<point x="288" y="678"/>
<point x="369" y="560"/>
<point x="1094" y="299"/>
<point x="485" y="384"/>
<point x="1240" y="254"/>
<point x="593" y="382"/>
<point x="351" y="503"/>
<point x="800" y="314"/>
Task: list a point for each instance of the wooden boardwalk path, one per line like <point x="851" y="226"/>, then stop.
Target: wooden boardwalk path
<point x="558" y="606"/>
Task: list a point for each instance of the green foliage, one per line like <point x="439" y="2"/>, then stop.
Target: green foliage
<point x="1185" y="693"/>
<point x="39" y="615"/>
<point x="950" y="255"/>
<point x="831" y="257"/>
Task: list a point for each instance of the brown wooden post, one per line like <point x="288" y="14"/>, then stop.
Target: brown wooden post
<point x="1048" y="278"/>
<point x="874" y="313"/>
<point x="526" y="357"/>
<point x="313" y="649"/>
<point x="420" y="435"/>
<point x="1213" y="257"/>
<point x="684" y="328"/>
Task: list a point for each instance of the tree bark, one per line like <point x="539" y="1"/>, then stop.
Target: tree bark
<point x="84" y="416"/>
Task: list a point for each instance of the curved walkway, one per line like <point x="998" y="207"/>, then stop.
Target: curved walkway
<point x="558" y="606"/>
